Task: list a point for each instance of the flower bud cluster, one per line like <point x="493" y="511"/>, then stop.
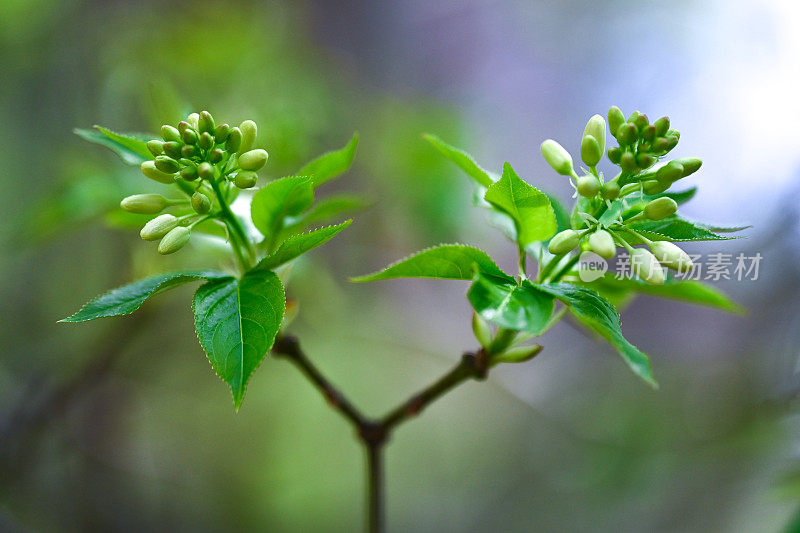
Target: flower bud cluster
<point x="640" y="143"/>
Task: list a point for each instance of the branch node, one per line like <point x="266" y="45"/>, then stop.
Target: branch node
<point x="372" y="433"/>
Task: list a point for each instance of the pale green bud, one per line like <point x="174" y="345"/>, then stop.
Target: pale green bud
<point x="149" y="170"/>
<point x="201" y="203"/>
<point x="649" y="133"/>
<point x="234" y="140"/>
<point x="660" y="208"/>
<point x="591" y="152"/>
<point x="249" y="131"/>
<point x="482" y="330"/>
<point x="627" y="134"/>
<point x="662" y="126"/>
<point x="596" y="127"/>
<point x="671" y="256"/>
<point x="216" y="155"/>
<point x="670" y="173"/>
<point x="205" y="122"/>
<point x="564" y="242"/>
<point x="615" y="119"/>
<point x="557" y="157"/>
<point x="644" y="160"/>
<point x="518" y="354"/>
<point x="156" y="147"/>
<point x="253" y="160"/>
<point x="610" y="190"/>
<point x="144" y="204"/>
<point x="188" y="135"/>
<point x="188" y="151"/>
<point x="168" y="133"/>
<point x="646" y="266"/>
<point x="174" y="240"/>
<point x="654" y="187"/>
<point x="194" y="120"/>
<point x="245" y="179"/>
<point x="166" y="164"/>
<point x="628" y="162"/>
<point x="588" y="185"/>
<point x="158" y="227"/>
<point x="602" y="243"/>
<point x="614" y="155"/>
<point x="189" y="172"/>
<point x="690" y="165"/>
<point x="660" y="144"/>
<point x="221" y="133"/>
<point x="205" y="171"/>
<point x="641" y="122"/>
<point x="173" y="149"/>
<point x="206" y="141"/>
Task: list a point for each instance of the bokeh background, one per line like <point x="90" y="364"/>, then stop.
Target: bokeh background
<point x="122" y="425"/>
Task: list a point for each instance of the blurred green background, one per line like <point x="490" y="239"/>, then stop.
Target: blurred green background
<point x="146" y="438"/>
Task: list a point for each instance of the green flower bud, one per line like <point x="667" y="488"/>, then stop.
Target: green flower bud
<point x="205" y="171"/>
<point x="189" y="172"/>
<point x="627" y="161"/>
<point x="144" y="204"/>
<point x="205" y="122"/>
<point x="188" y="135"/>
<point x="591" y="153"/>
<point x="234" y="140"/>
<point x="193" y="119"/>
<point x="660" y="144"/>
<point x="168" y="133"/>
<point x="660" y="208"/>
<point x="654" y="187"/>
<point x="614" y="155"/>
<point x="627" y="134"/>
<point x="156" y="147"/>
<point x="221" y="133"/>
<point x="206" y="141"/>
<point x="672" y="142"/>
<point x="596" y="127"/>
<point x="674" y="133"/>
<point x="249" y="131"/>
<point x="564" y="242"/>
<point x="588" y="185"/>
<point x="158" y="227"/>
<point x="245" y="179"/>
<point x="641" y="122"/>
<point x="216" y="155"/>
<point x="662" y="126"/>
<point x="615" y="119"/>
<point x="188" y="151"/>
<point x="633" y="117"/>
<point x="183" y="126"/>
<point x="174" y="240"/>
<point x="646" y="266"/>
<point x="517" y="354"/>
<point x="167" y="164"/>
<point x="671" y="256"/>
<point x="173" y="149"/>
<point x="253" y="160"/>
<point x="201" y="203"/>
<point x="690" y="165"/>
<point x="557" y="157"/>
<point x="482" y="330"/>
<point x="644" y="160"/>
<point x="150" y="170"/>
<point x="670" y="173"/>
<point x="610" y="190"/>
<point x="602" y="243"/>
<point x="649" y="133"/>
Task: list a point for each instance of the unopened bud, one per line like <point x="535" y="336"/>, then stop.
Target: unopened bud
<point x="206" y="141"/>
<point x="189" y="172"/>
<point x="557" y="157"/>
<point x="674" y="133"/>
<point x="174" y="240"/>
<point x="193" y="119"/>
<point x="234" y="140"/>
<point x="671" y="256"/>
<point x="614" y="155"/>
<point x="654" y="187"/>
<point x="670" y="173"/>
<point x="628" y="162"/>
<point x="245" y="179"/>
<point x="145" y="204"/>
<point x="249" y="131"/>
<point x="150" y="170"/>
<point x="168" y="133"/>
<point x="253" y="160"/>
<point x="627" y="134"/>
<point x="646" y="266"/>
<point x="633" y="117"/>
<point x="156" y="147"/>
<point x="205" y="122"/>
<point x="216" y="155"/>
<point x="672" y="142"/>
<point x="591" y="153"/>
<point x="690" y="165"/>
<point x="221" y="133"/>
<point x="641" y="122"/>
<point x="662" y="126"/>
<point x="166" y="164"/>
<point x="482" y="330"/>
<point x="610" y="190"/>
<point x="660" y="208"/>
<point x="158" y="227"/>
<point x="205" y="171"/>
<point x="644" y="160"/>
<point x="188" y="135"/>
<point x="649" y="133"/>
<point x="188" y="151"/>
<point x="564" y="242"/>
<point x="602" y="243"/>
<point x="173" y="149"/>
<point x="615" y="119"/>
<point x="518" y="354"/>
<point x="660" y="144"/>
<point x="201" y="203"/>
<point x="596" y="127"/>
<point x="588" y="185"/>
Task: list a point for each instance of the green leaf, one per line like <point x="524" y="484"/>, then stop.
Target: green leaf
<point x="331" y="207"/>
<point x="597" y="313"/>
<point x="127" y="299"/>
<point x="511" y="306"/>
<point x="462" y="159"/>
<point x="675" y="229"/>
<point x="446" y="261"/>
<point x="690" y="291"/>
<point x="299" y="244"/>
<point x="527" y="206"/>
<point x="131" y="147"/>
<point x="636" y="202"/>
<point x="285" y="197"/>
<point x="561" y="213"/>
<point x="331" y="164"/>
<point x="236" y="322"/>
<point x="612" y="213"/>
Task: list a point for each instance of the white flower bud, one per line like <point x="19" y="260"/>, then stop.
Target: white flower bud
<point x="602" y="243"/>
<point x="646" y="266"/>
<point x="671" y="256"/>
<point x="158" y="227"/>
<point x="193" y="120"/>
<point x="249" y="131"/>
<point x="588" y="186"/>
<point x="596" y="127"/>
<point x="564" y="242"/>
<point x="174" y="240"/>
<point x="557" y="157"/>
<point x="144" y="204"/>
<point x="253" y="160"/>
<point x="660" y="208"/>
